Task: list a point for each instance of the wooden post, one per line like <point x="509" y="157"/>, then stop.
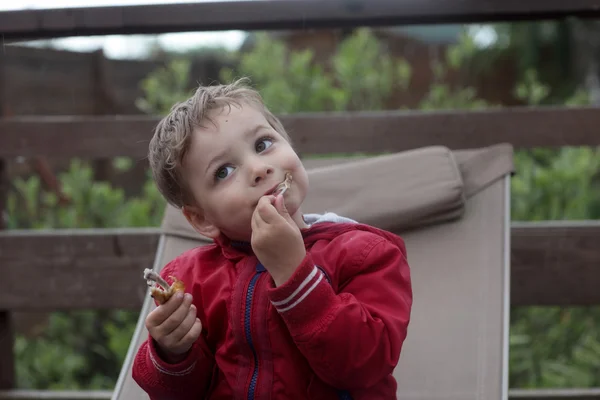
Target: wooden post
<point x="7" y="359"/>
<point x="104" y="104"/>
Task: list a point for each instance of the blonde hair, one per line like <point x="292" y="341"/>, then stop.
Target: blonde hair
<point x="173" y="133"/>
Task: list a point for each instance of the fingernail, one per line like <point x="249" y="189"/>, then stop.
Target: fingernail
<point x="188" y="296"/>
<point x="179" y="295"/>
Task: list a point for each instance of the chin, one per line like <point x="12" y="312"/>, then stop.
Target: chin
<point x="238" y="237"/>
<point x="238" y="234"/>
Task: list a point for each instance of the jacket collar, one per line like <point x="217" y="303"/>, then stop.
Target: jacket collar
<point x="233" y="250"/>
<point x="236" y="250"/>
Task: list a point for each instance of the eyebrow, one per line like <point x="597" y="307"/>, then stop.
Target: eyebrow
<point x="248" y="134"/>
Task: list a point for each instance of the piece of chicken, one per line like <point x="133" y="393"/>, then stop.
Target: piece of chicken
<point x="285" y="185"/>
<point x="159" y="288"/>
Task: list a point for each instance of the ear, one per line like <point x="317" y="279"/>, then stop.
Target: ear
<point x="197" y="218"/>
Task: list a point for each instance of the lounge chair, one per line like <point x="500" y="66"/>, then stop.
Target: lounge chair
<point x="452" y="209"/>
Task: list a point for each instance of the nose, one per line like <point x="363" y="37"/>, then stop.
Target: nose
<point x="260" y="171"/>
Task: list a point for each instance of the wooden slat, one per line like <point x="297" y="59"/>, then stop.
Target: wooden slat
<point x="555" y="263"/>
<point x="7" y="358"/>
<point x="82" y="269"/>
<point x="56" y="395"/>
<point x="319" y="133"/>
<point x="555" y="394"/>
<point x="513" y="394"/>
<point x="552" y="264"/>
<point x="290" y="14"/>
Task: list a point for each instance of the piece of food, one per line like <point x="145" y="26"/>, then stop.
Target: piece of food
<point x="159" y="288"/>
<point x="285" y="185"/>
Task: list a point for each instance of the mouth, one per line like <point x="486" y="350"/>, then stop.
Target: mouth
<point x="281" y="187"/>
<point x="272" y="190"/>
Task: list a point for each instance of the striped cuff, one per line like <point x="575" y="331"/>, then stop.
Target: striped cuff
<point x="182" y="368"/>
<point x="301" y="292"/>
<point x="305" y="298"/>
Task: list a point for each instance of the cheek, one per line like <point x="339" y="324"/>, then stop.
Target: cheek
<point x="298" y="171"/>
<point x="233" y="203"/>
<point x="291" y="162"/>
<point x="303" y="183"/>
<point x="301" y="179"/>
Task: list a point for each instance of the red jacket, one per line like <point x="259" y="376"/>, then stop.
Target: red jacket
<point x="334" y="330"/>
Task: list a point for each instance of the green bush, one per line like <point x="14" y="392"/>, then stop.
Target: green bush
<point x="92" y="204"/>
<point x="79" y="350"/>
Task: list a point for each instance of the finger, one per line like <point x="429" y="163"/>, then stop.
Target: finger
<point x="185" y="326"/>
<point x="192" y="335"/>
<point x="280" y="205"/>
<point x="282" y="209"/>
<point x="256" y="220"/>
<point x="174" y="320"/>
<point x="164" y="311"/>
<point x="267" y="212"/>
<point x="262" y="202"/>
<point x="265" y="201"/>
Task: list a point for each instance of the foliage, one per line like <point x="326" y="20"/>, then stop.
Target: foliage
<point x="174" y="78"/>
<point x="554" y="347"/>
<point x="78" y="350"/>
<point x="92" y="204"/>
<point x="555" y="184"/>
<point x="549" y="47"/>
<point x="549" y="346"/>
<point x="360" y="75"/>
<point x="563" y="181"/>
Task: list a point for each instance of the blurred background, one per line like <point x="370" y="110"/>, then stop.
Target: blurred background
<point x="414" y="68"/>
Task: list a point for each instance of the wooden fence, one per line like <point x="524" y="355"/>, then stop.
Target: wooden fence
<point x="50" y="82"/>
<point x="553" y="263"/>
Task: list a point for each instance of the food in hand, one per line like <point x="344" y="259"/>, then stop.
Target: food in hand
<point x="160" y="290"/>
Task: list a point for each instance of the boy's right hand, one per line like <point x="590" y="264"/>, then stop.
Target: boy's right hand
<point x="174" y="327"/>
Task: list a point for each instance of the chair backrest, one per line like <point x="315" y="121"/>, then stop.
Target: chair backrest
<point x="452" y="210"/>
<point x="457" y="345"/>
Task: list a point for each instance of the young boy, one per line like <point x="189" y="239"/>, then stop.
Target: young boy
<point x="282" y="305"/>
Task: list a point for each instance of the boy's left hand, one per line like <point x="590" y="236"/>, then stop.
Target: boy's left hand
<point x="276" y="239"/>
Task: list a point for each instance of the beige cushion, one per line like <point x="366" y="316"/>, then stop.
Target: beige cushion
<point x="393" y="192"/>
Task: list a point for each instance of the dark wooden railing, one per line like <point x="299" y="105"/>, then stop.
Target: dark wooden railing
<point x="319" y="133"/>
<point x="288" y="14"/>
<point x="553" y="263"/>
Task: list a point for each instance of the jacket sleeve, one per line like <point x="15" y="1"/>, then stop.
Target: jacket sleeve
<point x="188" y="379"/>
<point x="352" y="339"/>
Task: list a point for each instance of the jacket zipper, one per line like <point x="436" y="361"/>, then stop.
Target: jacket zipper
<point x="342" y="394"/>
<point x="247" y="331"/>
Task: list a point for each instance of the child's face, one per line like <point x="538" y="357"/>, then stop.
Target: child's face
<point x="231" y="164"/>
